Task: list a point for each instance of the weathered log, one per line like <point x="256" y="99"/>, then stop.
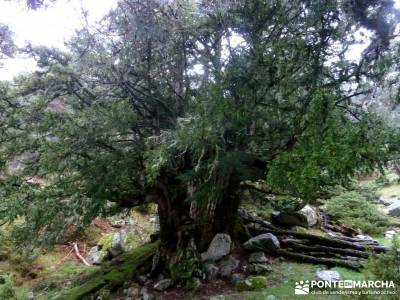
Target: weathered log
<point x="326" y="249"/>
<point x="356" y="240"/>
<point x="331" y="242"/>
<point x="356" y="265"/>
<point x="291" y="240"/>
<point x="335" y="250"/>
<point x="339" y="228"/>
<point x="318" y="254"/>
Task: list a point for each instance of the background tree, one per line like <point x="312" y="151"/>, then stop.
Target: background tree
<point x="7" y="46"/>
<point x="185" y="104"/>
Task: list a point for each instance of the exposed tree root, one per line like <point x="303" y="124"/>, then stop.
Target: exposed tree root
<point x="79" y="256"/>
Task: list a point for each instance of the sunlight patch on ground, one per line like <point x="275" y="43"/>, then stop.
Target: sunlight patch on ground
<point x="390" y="191"/>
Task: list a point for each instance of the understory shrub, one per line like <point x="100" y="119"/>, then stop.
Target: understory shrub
<point x="387" y="179"/>
<point x="8" y="289"/>
<point x="368" y="189"/>
<point x="287" y="203"/>
<point x="353" y="210"/>
<point x="386" y="266"/>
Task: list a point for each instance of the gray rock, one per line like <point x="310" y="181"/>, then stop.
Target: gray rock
<point x="145" y="294"/>
<point x="97" y="256"/>
<point x="199" y="273"/>
<point x="259" y="269"/>
<point x="116" y="244"/>
<point x="18" y="163"/>
<point x="218" y="297"/>
<point x="211" y="271"/>
<point x="120" y="223"/>
<point x="255" y="282"/>
<point x="394" y="209"/>
<point x="387" y="201"/>
<point x="364" y="237"/>
<point x="390" y="233"/>
<point x="164" y="284"/>
<point x="306" y="217"/>
<point x="227" y="266"/>
<point x="122" y="241"/>
<point x="133" y="292"/>
<point x="311" y="215"/>
<point x="327" y="275"/>
<point x="289" y="219"/>
<point x="237" y="277"/>
<point x="270" y="297"/>
<point x="266" y="242"/>
<point x="31" y="296"/>
<point x="258" y="257"/>
<point x="160" y="277"/>
<point x="193" y="283"/>
<point x="142" y="279"/>
<point x="219" y="247"/>
<point x="156" y="221"/>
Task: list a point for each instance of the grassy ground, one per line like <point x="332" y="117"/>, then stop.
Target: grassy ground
<point x="59" y="270"/>
<point x="282" y="281"/>
<point x="390" y="191"/>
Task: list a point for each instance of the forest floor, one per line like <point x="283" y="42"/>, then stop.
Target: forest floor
<point x="59" y="269"/>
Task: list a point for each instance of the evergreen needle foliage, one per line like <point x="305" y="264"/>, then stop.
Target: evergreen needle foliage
<point x="353" y="210"/>
<point x="179" y="102"/>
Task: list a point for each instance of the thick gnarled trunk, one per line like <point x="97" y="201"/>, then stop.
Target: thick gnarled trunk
<point x="186" y="228"/>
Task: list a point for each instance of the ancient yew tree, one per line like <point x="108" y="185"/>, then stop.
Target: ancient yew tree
<point x="187" y="103"/>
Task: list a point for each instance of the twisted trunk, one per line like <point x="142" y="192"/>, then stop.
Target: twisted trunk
<point x="181" y="221"/>
<point x="186" y="228"/>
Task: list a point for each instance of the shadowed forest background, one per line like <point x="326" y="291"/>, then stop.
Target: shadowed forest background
<point x="203" y="150"/>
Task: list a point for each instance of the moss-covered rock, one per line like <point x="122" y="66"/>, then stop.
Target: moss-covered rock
<point x="184" y="263"/>
<point x="130" y="242"/>
<point x="252" y="283"/>
<point x="104" y="294"/>
<point x="106" y="241"/>
<point x="259" y="269"/>
<point x="193" y="284"/>
<point x="119" y="242"/>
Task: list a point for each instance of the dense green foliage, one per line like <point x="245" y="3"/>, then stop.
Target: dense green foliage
<point x="7" y="46"/>
<point x="8" y="288"/>
<point x="330" y="150"/>
<point x="386" y="266"/>
<point x="353" y="210"/>
<point x="180" y="102"/>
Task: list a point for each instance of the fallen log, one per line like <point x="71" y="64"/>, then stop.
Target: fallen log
<point x="326" y="249"/>
<point x="318" y="254"/>
<point x="356" y="240"/>
<point x="339" y="228"/>
<point x="332" y="262"/>
<point x="339" y="249"/>
<point x="321" y="240"/>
